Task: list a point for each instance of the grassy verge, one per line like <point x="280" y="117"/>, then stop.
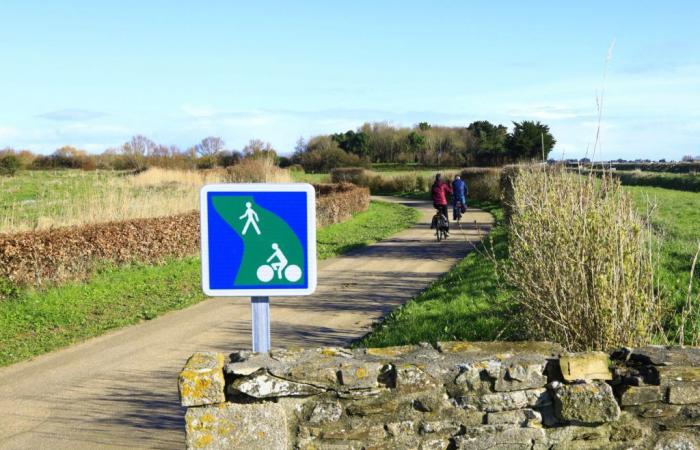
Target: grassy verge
<point x="38" y="321"/>
<point x="465" y="304"/>
<point x="382" y="220"/>
<point x="468" y="303"/>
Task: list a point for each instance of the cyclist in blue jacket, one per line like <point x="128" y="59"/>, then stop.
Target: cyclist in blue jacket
<point x="459" y="197"/>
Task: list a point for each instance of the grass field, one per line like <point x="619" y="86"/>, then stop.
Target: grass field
<point x="677" y="219"/>
<point x="40" y="199"/>
<point x="468" y="302"/>
<point x="38" y="321"/>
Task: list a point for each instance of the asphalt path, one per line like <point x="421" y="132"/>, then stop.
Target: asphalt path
<point x="119" y="390"/>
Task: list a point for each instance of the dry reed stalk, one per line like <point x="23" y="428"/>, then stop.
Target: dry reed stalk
<point x="580" y="261"/>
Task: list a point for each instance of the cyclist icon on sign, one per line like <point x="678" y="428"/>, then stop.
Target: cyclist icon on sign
<point x="252" y="217"/>
<point x="266" y="273"/>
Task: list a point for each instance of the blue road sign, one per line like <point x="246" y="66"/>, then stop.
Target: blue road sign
<point x="258" y="239"/>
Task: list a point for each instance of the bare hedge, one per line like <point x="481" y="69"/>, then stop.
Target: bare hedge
<point x="338" y="202"/>
<point x="72" y="253"/>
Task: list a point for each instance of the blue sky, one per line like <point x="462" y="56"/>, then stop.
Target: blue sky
<point x="91" y="74"/>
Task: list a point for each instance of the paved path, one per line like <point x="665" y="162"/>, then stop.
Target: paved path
<point x="120" y="390"/>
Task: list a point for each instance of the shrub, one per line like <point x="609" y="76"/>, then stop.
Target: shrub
<point x="354" y="175"/>
<point x="483" y="182"/>
<point x="681" y="182"/>
<point x="581" y="261"/>
<point x="257" y="170"/>
<point x="9" y="165"/>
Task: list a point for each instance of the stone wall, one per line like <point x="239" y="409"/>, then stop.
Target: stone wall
<point x="458" y="395"/>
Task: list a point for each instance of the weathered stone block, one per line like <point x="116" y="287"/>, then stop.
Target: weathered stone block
<point x="392" y="352"/>
<point x="501" y="347"/>
<point x="325" y="412"/>
<point x="245" y="363"/>
<point x="373" y="407"/>
<point x="365" y="432"/>
<point x="503" y="401"/>
<point x="658" y="355"/>
<point x="409" y="378"/>
<point x="579" y="437"/>
<point x="201" y="381"/>
<point x="585" y="403"/>
<point x="638" y="395"/>
<point x="435" y="444"/>
<point x="500" y="437"/>
<point x="263" y="385"/>
<point x="359" y="375"/>
<point x="671" y="374"/>
<point x="252" y="426"/>
<point x="401" y="428"/>
<point x="674" y="440"/>
<point x="585" y="366"/>
<point x="440" y="427"/>
<point x="521" y="372"/>
<point x="519" y="417"/>
<point x="680" y="393"/>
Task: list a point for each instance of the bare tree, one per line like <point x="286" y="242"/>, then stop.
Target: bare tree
<point x="256" y="148"/>
<point x="210" y="146"/>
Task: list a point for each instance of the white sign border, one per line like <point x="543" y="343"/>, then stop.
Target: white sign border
<point x="259" y="187"/>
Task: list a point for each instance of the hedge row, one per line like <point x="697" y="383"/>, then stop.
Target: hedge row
<point x="384" y="184"/>
<point x="38" y="257"/>
<point x="338" y="202"/>
<point x="679" y="182"/>
<point x="677" y="167"/>
<point x="50" y="256"/>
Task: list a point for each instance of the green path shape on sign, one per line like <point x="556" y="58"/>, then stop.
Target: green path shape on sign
<point x="257" y="248"/>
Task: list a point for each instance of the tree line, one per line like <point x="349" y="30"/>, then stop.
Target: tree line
<point x="137" y="154"/>
<point x="481" y="143"/>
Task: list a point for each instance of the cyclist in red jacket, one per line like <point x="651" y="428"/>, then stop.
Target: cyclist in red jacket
<point x="439" y="192"/>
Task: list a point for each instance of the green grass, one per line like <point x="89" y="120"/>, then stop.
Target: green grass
<point x="313" y="178"/>
<point x="468" y="303"/>
<point x="677" y="219"/>
<point x="382" y="219"/>
<point x="33" y="321"/>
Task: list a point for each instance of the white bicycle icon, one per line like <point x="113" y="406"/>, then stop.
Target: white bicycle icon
<point x="290" y="272"/>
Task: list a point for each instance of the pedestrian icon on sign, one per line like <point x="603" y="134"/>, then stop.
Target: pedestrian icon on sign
<point x="252" y="217"/>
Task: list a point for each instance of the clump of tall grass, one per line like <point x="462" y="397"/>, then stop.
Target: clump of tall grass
<point x="582" y="261"/>
<point x="94" y="197"/>
<point x="258" y="170"/>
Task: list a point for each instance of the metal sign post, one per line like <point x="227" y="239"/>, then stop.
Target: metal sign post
<point x="260" y="308"/>
<point x="258" y="241"/>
